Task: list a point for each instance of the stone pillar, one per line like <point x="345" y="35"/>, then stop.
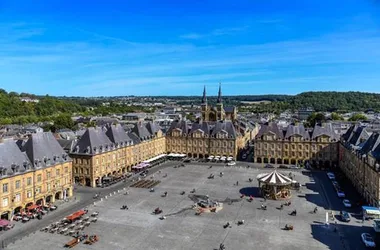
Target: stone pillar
<point x="61" y="195"/>
<point x="52" y="200"/>
<point x="70" y="191"/>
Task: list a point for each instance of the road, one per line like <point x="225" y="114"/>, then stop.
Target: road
<point x="83" y="197"/>
<point x="352" y="230"/>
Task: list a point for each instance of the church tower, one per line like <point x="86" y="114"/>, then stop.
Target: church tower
<point x="219" y="105"/>
<point x="204" y="106"/>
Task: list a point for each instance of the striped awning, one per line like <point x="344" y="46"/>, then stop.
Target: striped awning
<point x="274" y="178"/>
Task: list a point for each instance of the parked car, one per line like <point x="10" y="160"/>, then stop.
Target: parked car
<point x="340" y="194"/>
<point x="331" y="176"/>
<point x="231" y="163"/>
<point x="294" y="167"/>
<point x="187" y="160"/>
<point x="346" y="203"/>
<point x="368" y="240"/>
<point x="244" y="156"/>
<point x="335" y="183"/>
<point x="269" y="166"/>
<point x="283" y="166"/>
<point x="129" y="175"/>
<point x="344" y="216"/>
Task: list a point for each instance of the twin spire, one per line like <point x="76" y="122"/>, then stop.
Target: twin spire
<point x="219" y="100"/>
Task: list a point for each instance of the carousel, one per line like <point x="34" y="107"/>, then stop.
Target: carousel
<point x="275" y="185"/>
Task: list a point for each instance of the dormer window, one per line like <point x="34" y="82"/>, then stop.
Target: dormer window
<point x="77" y="149"/>
<point x="4" y="171"/>
<point x="13" y="167"/>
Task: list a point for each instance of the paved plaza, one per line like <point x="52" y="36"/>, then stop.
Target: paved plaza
<point x="137" y="228"/>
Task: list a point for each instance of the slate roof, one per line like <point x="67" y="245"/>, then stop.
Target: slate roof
<point x="93" y="141"/>
<point x="355" y="135"/>
<point x="270" y="127"/>
<point x="117" y="135"/>
<point x="229" y="109"/>
<point x="12" y="157"/>
<point x="141" y="131"/>
<point x="370" y="144"/>
<point x="67" y="145"/>
<point x="201" y="125"/>
<point x="224" y="126"/>
<point x="43" y="150"/>
<point x="182" y="125"/>
<point x="297" y="130"/>
<point x="376" y="153"/>
<point x="135" y="138"/>
<point x="152" y="127"/>
<point x="326" y="129"/>
<point x="66" y="134"/>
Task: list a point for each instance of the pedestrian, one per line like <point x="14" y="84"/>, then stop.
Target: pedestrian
<point x="75" y="198"/>
<point x="237" y="183"/>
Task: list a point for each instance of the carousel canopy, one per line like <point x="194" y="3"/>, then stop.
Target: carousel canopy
<point x="274" y="178"/>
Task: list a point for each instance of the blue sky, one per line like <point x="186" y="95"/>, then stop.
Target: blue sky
<point x="96" y="48"/>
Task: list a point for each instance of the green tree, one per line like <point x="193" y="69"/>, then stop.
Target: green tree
<point x="336" y="117"/>
<point x="315" y="118"/>
<point x="358" y="117"/>
<point x="63" y="121"/>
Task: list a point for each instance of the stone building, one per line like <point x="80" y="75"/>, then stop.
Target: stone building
<point x="296" y="145"/>
<point x="37" y="173"/>
<point x="110" y="151"/>
<point x="359" y="158"/>
<point x="219" y="112"/>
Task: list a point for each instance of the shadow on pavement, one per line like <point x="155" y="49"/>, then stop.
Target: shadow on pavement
<point x="334" y="237"/>
<point x="248" y="191"/>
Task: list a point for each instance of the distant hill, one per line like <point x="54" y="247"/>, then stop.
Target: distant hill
<point x="14" y="109"/>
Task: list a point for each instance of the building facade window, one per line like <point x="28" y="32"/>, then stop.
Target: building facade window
<point x="5" y="202"/>
<point x="29" y="181"/>
<point x="39" y="178"/>
<point x="5" y="188"/>
<point x="29" y="194"/>
<point x="17" y="184"/>
<point x="18" y="197"/>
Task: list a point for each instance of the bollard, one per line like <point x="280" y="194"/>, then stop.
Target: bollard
<point x="114" y="192"/>
<point x="123" y="188"/>
<point x="110" y="194"/>
<point x="94" y="203"/>
<point x="118" y="191"/>
<point x="106" y="197"/>
<point x="101" y="199"/>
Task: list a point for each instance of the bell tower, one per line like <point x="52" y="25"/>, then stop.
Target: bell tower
<point x="204" y="106"/>
<point x="219" y="105"/>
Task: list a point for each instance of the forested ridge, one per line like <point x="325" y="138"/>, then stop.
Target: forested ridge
<point x="14" y="110"/>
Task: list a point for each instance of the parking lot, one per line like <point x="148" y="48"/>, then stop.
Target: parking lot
<point x="138" y="228"/>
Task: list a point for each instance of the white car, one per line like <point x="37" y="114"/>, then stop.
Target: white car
<point x="368" y="240"/>
<point x="341" y="194"/>
<point x="346" y="203"/>
<point x="331" y="176"/>
<point x="335" y="183"/>
<point x="232" y="163"/>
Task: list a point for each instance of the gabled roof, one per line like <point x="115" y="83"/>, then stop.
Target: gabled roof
<point x="43" y="150"/>
<point x="226" y="126"/>
<point x="270" y="127"/>
<point x="293" y="130"/>
<point x="201" y="125"/>
<point x="117" y="135"/>
<point x="152" y="127"/>
<point x="93" y="141"/>
<point x="135" y="138"/>
<point x="11" y="156"/>
<point x="141" y="131"/>
<point x="326" y="130"/>
<point x="355" y="135"/>
<point x="182" y="125"/>
<point x="370" y="144"/>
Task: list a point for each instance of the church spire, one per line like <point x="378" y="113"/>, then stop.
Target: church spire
<point x="219" y="100"/>
<point x="204" y="98"/>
